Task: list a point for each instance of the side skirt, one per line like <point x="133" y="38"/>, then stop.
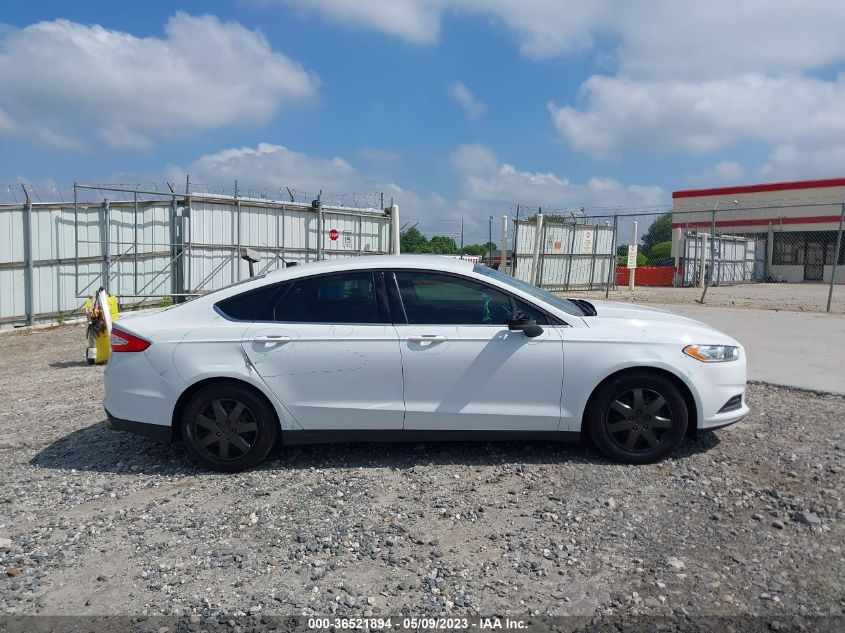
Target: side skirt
<point x="399" y="435"/>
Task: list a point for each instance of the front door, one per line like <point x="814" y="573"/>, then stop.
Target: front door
<point x="331" y="355"/>
<point x="463" y="369"/>
<point x="813" y="261"/>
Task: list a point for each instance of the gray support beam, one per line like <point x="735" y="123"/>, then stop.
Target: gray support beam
<point x="396" y="239"/>
<point x="836" y="257"/>
<point x="106" y="238"/>
<point x="29" y="238"/>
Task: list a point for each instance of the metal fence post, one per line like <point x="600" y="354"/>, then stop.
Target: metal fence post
<point x="320" y="227"/>
<point x="571" y="255"/>
<point x="835" y="257"/>
<point x="29" y="283"/>
<point x="611" y="274"/>
<point x="135" y="242"/>
<point x="538" y="236"/>
<point x="106" y="239"/>
<point x="503" y="247"/>
<point x="236" y="260"/>
<point x="593" y="255"/>
<point x="394" y="229"/>
<point x="75" y="242"/>
<point x="709" y="280"/>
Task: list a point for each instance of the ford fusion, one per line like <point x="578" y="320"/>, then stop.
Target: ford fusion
<point x="394" y="348"/>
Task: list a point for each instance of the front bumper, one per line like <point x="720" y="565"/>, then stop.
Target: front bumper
<point x="155" y="431"/>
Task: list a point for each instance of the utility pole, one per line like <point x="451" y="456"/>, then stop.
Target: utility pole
<point x="490" y="242"/>
<point x="503" y="247"/>
<point x="462" y="238"/>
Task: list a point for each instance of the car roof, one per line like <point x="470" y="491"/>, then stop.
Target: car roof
<point x="418" y="262"/>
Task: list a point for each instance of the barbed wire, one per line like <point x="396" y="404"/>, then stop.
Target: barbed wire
<point x="49" y="193"/>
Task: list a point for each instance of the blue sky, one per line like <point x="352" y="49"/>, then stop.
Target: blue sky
<point x="457" y="108"/>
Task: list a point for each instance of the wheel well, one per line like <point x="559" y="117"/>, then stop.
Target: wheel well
<point x="190" y="391"/>
<point x="680" y="384"/>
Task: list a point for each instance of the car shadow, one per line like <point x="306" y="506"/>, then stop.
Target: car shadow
<point x="98" y="448"/>
<point x="64" y="364"/>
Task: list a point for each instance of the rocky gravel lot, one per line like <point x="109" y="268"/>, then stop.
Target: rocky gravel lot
<point x="745" y="520"/>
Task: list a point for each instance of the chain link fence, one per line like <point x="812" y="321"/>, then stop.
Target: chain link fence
<point x="786" y="256"/>
<point x="148" y="246"/>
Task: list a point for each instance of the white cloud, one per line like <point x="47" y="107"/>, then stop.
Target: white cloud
<point x="792" y="161"/>
<point x="273" y="166"/>
<point x="414" y="20"/>
<point x="486" y="185"/>
<point x="655" y="37"/>
<point x="622" y="114"/>
<point x="66" y="83"/>
<point x="722" y="172"/>
<point x="473" y="108"/>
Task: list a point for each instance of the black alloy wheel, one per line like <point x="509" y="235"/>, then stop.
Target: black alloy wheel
<point x="638" y="417"/>
<point x="226" y="429"/>
<point x="228" y="426"/>
<point x="638" y="420"/>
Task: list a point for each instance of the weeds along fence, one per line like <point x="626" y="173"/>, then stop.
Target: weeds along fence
<point x="143" y="246"/>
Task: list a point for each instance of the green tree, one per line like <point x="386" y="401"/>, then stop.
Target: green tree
<point x="413" y="241"/>
<point x="659" y="231"/>
<point x="659" y="251"/>
<point x="642" y="260"/>
<point x="442" y="245"/>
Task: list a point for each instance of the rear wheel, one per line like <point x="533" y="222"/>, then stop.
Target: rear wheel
<point x="638" y="418"/>
<point x="228" y="427"/>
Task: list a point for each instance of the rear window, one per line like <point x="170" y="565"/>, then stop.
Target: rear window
<point x="255" y="305"/>
<point x="337" y="298"/>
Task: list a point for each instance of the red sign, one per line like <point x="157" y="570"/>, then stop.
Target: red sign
<point x="333" y="235"/>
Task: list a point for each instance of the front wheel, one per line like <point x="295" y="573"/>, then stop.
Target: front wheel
<point x="638" y="418"/>
<point x="228" y="427"/>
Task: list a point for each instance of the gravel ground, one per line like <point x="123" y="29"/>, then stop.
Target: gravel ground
<point x="746" y="520"/>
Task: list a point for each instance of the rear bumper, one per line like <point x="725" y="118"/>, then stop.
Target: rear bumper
<point x="156" y="431"/>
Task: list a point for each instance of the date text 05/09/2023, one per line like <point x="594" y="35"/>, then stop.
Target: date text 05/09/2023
<point x="417" y="623"/>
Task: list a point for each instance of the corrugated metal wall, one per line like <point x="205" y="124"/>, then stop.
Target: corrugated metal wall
<point x="157" y="248"/>
<point x="571" y="255"/>
<point x="736" y="259"/>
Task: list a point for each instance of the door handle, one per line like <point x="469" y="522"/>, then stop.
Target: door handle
<point x="426" y="338"/>
<point x="271" y="339"/>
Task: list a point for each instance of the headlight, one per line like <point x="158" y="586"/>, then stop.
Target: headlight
<point x="712" y="353"/>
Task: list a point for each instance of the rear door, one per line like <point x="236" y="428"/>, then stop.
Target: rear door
<point x="463" y="369"/>
<point x="330" y="353"/>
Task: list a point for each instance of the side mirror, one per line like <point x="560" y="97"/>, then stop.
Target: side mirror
<point x="521" y="322"/>
<point x="532" y="331"/>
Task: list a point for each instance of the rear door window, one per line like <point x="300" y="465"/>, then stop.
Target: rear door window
<point x="254" y="305"/>
<point x="339" y="298"/>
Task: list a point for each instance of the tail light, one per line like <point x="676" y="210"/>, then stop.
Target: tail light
<point x="123" y="341"/>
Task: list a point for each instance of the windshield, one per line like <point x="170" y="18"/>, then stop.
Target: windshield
<point x="544" y="295"/>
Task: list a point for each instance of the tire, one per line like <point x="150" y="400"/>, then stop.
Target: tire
<point x="221" y="408"/>
<point x="637" y="418"/>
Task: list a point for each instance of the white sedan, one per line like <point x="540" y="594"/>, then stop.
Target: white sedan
<point x="415" y="347"/>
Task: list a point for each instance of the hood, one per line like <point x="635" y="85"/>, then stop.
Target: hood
<point x="618" y="310"/>
<point x="620" y="317"/>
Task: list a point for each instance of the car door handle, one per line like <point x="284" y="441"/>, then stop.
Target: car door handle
<point x="271" y="339"/>
<point x="426" y="338"/>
